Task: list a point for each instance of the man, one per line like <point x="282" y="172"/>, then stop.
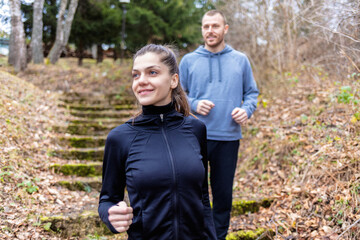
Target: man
<point x="223" y="94"/>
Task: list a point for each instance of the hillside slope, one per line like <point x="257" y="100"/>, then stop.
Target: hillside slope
<point x="301" y="149"/>
<point x="27" y="190"/>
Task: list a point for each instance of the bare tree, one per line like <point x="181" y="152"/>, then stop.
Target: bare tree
<point x="283" y="35"/>
<point x="334" y="42"/>
<point x="63" y="29"/>
<point x="17" y="38"/>
<point x="37" y="32"/>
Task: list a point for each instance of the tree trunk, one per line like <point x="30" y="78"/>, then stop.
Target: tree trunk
<point x="80" y="54"/>
<point x="115" y="54"/>
<point x="37" y="32"/>
<point x="289" y="35"/>
<point x="11" y="57"/>
<point x="18" y="47"/>
<point x="63" y="29"/>
<point x="100" y="54"/>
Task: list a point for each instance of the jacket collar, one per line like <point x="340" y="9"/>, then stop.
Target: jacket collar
<point x="156" y="110"/>
<point x="155" y="117"/>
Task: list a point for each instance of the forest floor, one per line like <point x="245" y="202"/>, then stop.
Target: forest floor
<point x="301" y="148"/>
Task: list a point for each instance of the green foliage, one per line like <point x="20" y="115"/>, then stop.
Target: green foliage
<point x="345" y="95"/>
<point x="292" y="78"/>
<point x="95" y="22"/>
<point x="47" y="226"/>
<point x="95" y="237"/>
<point x="173" y="21"/>
<point x="29" y="186"/>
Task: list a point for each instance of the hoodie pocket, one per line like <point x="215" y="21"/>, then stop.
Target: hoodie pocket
<point x="219" y="118"/>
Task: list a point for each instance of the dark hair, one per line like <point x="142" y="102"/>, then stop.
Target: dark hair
<point x="214" y="12"/>
<point x="168" y="57"/>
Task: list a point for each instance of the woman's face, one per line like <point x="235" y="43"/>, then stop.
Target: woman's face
<point x="152" y="81"/>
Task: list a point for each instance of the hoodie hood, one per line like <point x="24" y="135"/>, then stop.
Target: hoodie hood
<point x="210" y="55"/>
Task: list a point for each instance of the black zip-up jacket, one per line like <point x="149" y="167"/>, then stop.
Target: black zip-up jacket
<point x="160" y="157"/>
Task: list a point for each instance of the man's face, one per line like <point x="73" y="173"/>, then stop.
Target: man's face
<point x="213" y="30"/>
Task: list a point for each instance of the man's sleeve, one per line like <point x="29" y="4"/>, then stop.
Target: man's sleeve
<point x="185" y="83"/>
<point x="250" y="90"/>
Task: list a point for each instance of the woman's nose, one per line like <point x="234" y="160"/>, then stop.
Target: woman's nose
<point x="143" y="79"/>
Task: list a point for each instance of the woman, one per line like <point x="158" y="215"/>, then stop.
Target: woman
<point x="160" y="157"/>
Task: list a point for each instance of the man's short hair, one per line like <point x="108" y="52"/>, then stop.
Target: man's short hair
<point x="214" y="12"/>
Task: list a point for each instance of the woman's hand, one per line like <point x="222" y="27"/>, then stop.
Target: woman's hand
<point x="120" y="216"/>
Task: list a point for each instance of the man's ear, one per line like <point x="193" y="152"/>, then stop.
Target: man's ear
<point x="226" y="29"/>
<point x="174" y="81"/>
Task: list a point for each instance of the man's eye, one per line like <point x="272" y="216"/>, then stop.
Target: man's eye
<point x="205" y="27"/>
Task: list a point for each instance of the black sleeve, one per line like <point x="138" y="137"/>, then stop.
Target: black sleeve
<point x="200" y="132"/>
<point x="113" y="176"/>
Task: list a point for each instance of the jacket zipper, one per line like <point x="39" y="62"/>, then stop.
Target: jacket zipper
<point x="174" y="175"/>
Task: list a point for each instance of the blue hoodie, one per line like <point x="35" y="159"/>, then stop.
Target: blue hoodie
<point x="226" y="79"/>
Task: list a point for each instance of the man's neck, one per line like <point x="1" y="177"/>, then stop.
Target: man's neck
<point x="216" y="49"/>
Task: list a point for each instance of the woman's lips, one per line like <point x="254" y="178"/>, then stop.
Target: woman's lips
<point x="145" y="91"/>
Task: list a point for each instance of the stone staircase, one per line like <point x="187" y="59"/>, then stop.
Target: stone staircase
<point x="80" y="151"/>
<point x="82" y="139"/>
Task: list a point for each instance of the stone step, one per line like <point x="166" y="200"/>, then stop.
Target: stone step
<point x="78" y="141"/>
<point x="91" y="154"/>
<point x="240" y="207"/>
<point x="100" y="121"/>
<point x="75" y="225"/>
<point x="98" y="98"/>
<point x="103" y="114"/>
<point x="102" y="107"/>
<point x="90" y="169"/>
<point x="258" y="234"/>
<point x="93" y="129"/>
<point x="81" y="183"/>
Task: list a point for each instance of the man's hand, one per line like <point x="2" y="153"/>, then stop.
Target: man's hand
<point x="120" y="216"/>
<point x="239" y="115"/>
<point x="204" y="107"/>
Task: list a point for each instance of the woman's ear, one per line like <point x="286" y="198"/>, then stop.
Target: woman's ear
<point x="174" y="81"/>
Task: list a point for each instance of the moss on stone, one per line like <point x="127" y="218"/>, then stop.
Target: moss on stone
<point x="259" y="234"/>
<point x="243" y="206"/>
<point x="83" y="142"/>
<point x="124" y="106"/>
<point x="82" y="185"/>
<point x="83" y="170"/>
<point x="80" y="154"/>
<point x="94" y="114"/>
<point x="86" y="142"/>
<point x="86" y="223"/>
<point x="73" y="186"/>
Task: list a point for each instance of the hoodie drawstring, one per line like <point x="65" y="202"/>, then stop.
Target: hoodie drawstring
<point x="219" y="65"/>
<point x="210" y="68"/>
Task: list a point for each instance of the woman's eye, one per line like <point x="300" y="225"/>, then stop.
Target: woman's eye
<point x="135" y="75"/>
<point x="153" y="72"/>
